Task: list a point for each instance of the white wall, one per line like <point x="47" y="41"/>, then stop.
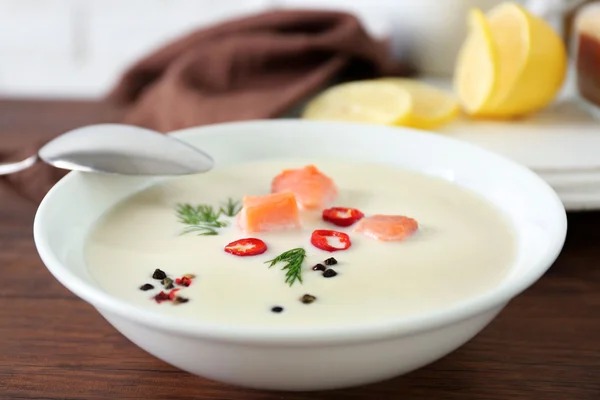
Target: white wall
<point x="77" y="48"/>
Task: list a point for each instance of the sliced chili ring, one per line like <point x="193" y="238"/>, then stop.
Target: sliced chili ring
<point x="183" y="281"/>
<point x="320" y="239"/>
<point x="173" y="293"/>
<point x="246" y="247"/>
<point x="342" y="216"/>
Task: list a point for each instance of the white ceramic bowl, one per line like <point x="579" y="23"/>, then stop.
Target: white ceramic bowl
<point x="309" y="358"/>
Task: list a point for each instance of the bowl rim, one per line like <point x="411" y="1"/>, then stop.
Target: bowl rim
<point x="490" y="300"/>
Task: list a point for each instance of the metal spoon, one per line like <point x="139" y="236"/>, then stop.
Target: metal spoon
<point x="118" y="149"/>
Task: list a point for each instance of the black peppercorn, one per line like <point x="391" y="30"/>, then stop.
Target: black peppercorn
<point x="158" y="274"/>
<point x="277" y="309"/>
<point x="181" y="300"/>
<point x="146" y="286"/>
<point x="330" y="261"/>
<point x="329" y="273"/>
<point x="308" y="298"/>
<point x="319" y="267"/>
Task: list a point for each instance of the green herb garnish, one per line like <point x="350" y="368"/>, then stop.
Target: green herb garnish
<point x="205" y="219"/>
<point x="231" y="208"/>
<point x="201" y="219"/>
<point x="293" y="264"/>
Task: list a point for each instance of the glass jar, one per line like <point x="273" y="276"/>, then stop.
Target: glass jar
<point x="587" y="53"/>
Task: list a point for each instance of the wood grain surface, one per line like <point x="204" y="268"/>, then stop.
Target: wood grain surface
<point x="545" y="345"/>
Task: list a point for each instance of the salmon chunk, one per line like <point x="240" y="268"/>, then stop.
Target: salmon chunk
<point x="272" y="212"/>
<point x="313" y="189"/>
<point x="387" y="228"/>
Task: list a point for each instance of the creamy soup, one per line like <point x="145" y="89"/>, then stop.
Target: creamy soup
<point x="464" y="247"/>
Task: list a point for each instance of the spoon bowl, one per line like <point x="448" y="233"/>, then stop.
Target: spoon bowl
<point x="118" y="149"/>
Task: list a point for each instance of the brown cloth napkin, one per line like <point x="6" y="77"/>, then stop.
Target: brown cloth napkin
<point x="251" y="68"/>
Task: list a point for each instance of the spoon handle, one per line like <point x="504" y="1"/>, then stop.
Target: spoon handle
<point x="11" y="168"/>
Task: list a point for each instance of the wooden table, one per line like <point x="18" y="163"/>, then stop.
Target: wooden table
<point x="545" y="345"/>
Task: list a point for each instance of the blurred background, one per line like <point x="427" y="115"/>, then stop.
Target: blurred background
<point x="78" y="48"/>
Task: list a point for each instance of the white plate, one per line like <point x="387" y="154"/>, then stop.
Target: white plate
<point x="578" y="190"/>
<point x="564" y="137"/>
<point x="586" y="197"/>
<point x="580" y="201"/>
<point x="575" y="180"/>
<point x="560" y="143"/>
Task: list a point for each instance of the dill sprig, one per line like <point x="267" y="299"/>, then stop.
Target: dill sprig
<point x="293" y="264"/>
<point x="231" y="208"/>
<point x="201" y="219"/>
<point x="205" y="219"/>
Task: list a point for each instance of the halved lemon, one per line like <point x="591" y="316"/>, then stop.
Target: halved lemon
<point x="476" y="72"/>
<point x="370" y="101"/>
<point x="432" y="107"/>
<point x="532" y="61"/>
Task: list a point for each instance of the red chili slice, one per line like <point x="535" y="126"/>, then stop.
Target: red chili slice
<point x="172" y="293"/>
<point x="319" y="239"/>
<point x="246" y="247"/>
<point x="342" y="216"/>
<point x="162" y="296"/>
<point x="183" y="281"/>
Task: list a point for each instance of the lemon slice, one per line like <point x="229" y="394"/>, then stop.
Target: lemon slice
<point x="432" y="107"/>
<point x="532" y="61"/>
<point x="476" y="72"/>
<point x="375" y="102"/>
